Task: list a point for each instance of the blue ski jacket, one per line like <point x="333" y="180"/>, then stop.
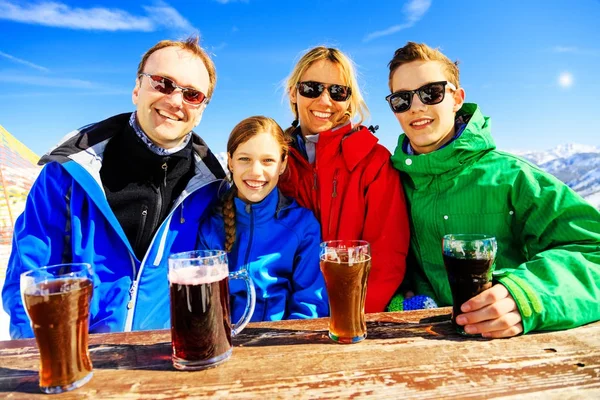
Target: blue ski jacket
<point x="277" y="242"/>
<point x="68" y="219"/>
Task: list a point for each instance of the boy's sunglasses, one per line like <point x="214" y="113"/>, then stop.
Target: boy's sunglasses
<point x="167" y="86"/>
<point x="313" y="90"/>
<point x="430" y="94"/>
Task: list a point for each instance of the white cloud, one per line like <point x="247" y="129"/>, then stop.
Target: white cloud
<point x="565" y="80"/>
<point x="55" y="14"/>
<point x="413" y="12"/>
<point x="575" y="50"/>
<point x="48" y="81"/>
<point x="24" y="62"/>
<point x="231" y="1"/>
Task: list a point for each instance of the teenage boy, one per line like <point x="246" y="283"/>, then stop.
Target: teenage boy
<point x="548" y="262"/>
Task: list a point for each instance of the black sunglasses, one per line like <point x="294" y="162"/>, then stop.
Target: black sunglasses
<point x="313" y="90"/>
<point x="167" y="86"/>
<point x="430" y="94"/>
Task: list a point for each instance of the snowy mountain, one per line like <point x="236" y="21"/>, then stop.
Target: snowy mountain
<point x="576" y="165"/>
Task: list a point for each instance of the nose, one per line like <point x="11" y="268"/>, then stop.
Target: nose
<point x="175" y="98"/>
<point x="417" y="104"/>
<point x="324" y="98"/>
<point x="256" y="169"/>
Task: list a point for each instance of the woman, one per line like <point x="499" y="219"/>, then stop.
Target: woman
<point x="339" y="171"/>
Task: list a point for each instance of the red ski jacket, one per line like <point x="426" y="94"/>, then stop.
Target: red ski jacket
<point x="355" y="193"/>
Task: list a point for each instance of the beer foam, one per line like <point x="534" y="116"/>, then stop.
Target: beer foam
<point x="198" y="276"/>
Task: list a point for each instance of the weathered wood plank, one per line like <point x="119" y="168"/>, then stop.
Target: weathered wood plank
<point x="413" y="355"/>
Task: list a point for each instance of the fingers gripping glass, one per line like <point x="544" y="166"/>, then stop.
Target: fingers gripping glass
<point x="430" y="94"/>
<point x="167" y="86"/>
<point x="313" y="90"/>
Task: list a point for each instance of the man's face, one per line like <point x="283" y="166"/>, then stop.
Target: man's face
<point x="428" y="127"/>
<point x="167" y="118"/>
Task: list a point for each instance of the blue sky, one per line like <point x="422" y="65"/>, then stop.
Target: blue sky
<point x="533" y="66"/>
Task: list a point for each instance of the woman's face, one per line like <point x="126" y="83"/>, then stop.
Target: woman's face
<point x="322" y="113"/>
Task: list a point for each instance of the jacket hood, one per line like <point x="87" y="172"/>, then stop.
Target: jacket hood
<point x="473" y="143"/>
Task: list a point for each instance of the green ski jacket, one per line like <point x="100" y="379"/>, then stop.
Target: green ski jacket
<point x="548" y="236"/>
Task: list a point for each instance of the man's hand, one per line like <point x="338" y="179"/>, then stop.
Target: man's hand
<point x="493" y="313"/>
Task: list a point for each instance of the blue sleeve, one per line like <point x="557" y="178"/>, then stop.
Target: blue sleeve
<point x="211" y="234"/>
<point x="309" y="297"/>
<point x="38" y="240"/>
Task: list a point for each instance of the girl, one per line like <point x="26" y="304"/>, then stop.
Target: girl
<point x="340" y="172"/>
<point x="264" y="232"/>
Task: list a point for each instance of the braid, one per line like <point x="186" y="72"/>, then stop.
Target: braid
<point x="229" y="218"/>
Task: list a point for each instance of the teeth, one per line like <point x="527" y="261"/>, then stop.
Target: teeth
<point x="422" y="122"/>
<point x="322" y="114"/>
<point x="255" y="184"/>
<point x="172" y="117"/>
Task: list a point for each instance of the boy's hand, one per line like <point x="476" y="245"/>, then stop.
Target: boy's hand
<point x="493" y="313"/>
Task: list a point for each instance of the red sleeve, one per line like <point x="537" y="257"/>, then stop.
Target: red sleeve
<point x="387" y="229"/>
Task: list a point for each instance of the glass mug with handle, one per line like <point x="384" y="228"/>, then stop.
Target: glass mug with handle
<point x="57" y="301"/>
<point x="201" y="329"/>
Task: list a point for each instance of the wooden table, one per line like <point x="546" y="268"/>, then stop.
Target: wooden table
<point x="406" y="355"/>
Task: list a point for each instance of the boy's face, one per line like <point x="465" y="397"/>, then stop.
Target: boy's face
<point x="428" y="127"/>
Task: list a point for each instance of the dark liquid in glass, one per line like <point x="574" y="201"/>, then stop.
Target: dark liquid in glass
<point x="200" y="325"/>
<point x="347" y="291"/>
<point x="60" y="322"/>
<point x="467" y="279"/>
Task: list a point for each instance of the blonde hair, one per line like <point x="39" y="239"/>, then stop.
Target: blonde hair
<point x="421" y="52"/>
<point x="241" y="133"/>
<point x="357" y="104"/>
<point x="192" y="45"/>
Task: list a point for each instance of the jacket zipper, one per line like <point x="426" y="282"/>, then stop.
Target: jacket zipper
<point x="333" y="196"/>
<point x="249" y="211"/>
<point x="143" y="218"/>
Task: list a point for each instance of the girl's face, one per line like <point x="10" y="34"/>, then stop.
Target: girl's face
<point x="322" y="113"/>
<point x="255" y="167"/>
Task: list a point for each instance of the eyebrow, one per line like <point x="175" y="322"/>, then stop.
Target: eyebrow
<point x="260" y="156"/>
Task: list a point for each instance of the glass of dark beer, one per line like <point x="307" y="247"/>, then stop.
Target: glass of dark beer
<point x="345" y="265"/>
<point x="57" y="300"/>
<point x="469" y="261"/>
<point x="201" y="329"/>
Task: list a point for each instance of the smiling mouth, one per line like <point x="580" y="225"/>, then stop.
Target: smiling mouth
<point x="255" y="184"/>
<point x="323" y="115"/>
<point x="167" y="115"/>
<point x="421" y="122"/>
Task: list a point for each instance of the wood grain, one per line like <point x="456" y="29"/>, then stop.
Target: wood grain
<point x="413" y="355"/>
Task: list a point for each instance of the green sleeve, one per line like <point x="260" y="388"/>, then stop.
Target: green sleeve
<point x="559" y="286"/>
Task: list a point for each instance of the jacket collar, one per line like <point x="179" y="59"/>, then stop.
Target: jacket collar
<point x="447" y="162"/>
<point x="355" y="144"/>
<point x="270" y="207"/>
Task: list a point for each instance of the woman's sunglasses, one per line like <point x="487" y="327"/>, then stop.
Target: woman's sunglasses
<point x="430" y="94"/>
<point x="167" y="86"/>
<point x="313" y="90"/>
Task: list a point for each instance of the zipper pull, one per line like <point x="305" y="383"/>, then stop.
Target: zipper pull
<point x="334" y="194"/>
<point x="164" y="167"/>
<point x="131" y="291"/>
<point x="181" y="219"/>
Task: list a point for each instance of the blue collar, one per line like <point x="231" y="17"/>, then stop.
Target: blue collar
<point x="263" y="211"/>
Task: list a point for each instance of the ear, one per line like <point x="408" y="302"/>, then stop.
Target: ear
<point x="283" y="165"/>
<point x="136" y="91"/>
<point x="229" y="162"/>
<point x="293" y="95"/>
<point x="459" y="99"/>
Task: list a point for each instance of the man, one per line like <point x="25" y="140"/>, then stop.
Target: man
<point x="124" y="193"/>
<point x="548" y="261"/>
